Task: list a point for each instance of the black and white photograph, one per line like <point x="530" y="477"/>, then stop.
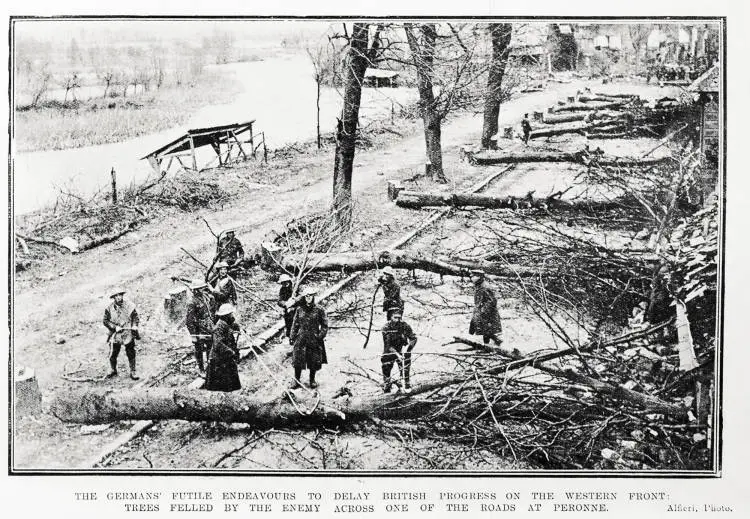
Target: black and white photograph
<point x="367" y="246"/>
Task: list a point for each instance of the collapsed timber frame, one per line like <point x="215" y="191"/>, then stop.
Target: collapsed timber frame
<point x="226" y="141"/>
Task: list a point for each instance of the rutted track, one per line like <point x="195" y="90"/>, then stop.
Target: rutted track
<point x="263" y="338"/>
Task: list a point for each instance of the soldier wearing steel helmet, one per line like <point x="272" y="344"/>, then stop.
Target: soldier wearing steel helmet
<point x="222" y="374"/>
<point x="396" y="335"/>
<point x="223" y="288"/>
<point x="391" y="291"/>
<point x="200" y="320"/>
<point x="229" y="249"/>
<point x="308" y="332"/>
<point x="121" y="319"/>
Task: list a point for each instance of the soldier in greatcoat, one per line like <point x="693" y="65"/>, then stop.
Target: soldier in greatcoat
<point x="309" y="329"/>
<point x="223" y="288"/>
<point x="121" y="319"/>
<point x="391" y="291"/>
<point x="200" y="320"/>
<point x="486" y="318"/>
<point x="285" y="302"/>
<point x="222" y="372"/>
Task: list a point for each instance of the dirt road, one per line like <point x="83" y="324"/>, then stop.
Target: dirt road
<point x="66" y="302"/>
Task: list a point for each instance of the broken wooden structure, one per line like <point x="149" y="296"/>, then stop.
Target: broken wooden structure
<point x="231" y="143"/>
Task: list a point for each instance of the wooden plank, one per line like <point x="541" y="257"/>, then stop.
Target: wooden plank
<point x="192" y="151"/>
<point x="240" y="146"/>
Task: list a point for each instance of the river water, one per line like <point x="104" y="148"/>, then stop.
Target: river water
<point x="278" y="93"/>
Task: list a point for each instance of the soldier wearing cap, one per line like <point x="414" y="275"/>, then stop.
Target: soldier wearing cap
<point x="486" y="318"/>
<point x="223" y="288"/>
<point x="396" y="335"/>
<point x="391" y="291"/>
<point x="286" y="300"/>
<point x="200" y="321"/>
<point x="229" y="249"/>
<point x="121" y="319"/>
<point x="307" y="336"/>
<point x="222" y="374"/>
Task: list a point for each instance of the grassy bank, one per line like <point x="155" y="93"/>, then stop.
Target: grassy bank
<point x="54" y="126"/>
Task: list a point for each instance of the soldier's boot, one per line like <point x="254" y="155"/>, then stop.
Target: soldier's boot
<point x="112" y="368"/>
<point x="133" y="373"/>
<point x="386" y="378"/>
<point x="295" y="383"/>
<point x="313" y="384"/>
<point x="199" y="359"/>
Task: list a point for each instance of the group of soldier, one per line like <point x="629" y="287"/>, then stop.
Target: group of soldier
<point x="213" y="328"/>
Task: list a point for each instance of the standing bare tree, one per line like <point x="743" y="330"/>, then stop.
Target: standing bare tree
<point x="361" y="52"/>
<point x="638" y="33"/>
<point x="422" y="48"/>
<point x="500" y="35"/>
<point x="317" y="59"/>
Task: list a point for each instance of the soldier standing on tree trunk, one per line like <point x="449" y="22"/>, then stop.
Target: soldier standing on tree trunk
<point x="222" y="372"/>
<point x="391" y="292"/>
<point x="229" y="249"/>
<point x="200" y="322"/>
<point x="486" y="318"/>
<point x="307" y="336"/>
<point x="121" y="319"/>
<point x="396" y="335"/>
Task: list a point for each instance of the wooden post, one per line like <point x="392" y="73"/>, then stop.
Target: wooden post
<point x="192" y="152"/>
<point x="265" y="150"/>
<point x="393" y="113"/>
<point x="252" y="140"/>
<point x="114" y="185"/>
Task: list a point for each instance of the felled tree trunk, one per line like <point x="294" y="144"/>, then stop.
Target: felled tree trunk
<point x="586" y="107"/>
<point x="550" y="118"/>
<point x="484" y="158"/>
<point x="359" y="261"/>
<point x="489" y="158"/>
<point x="416" y="200"/>
<point x="99" y="406"/>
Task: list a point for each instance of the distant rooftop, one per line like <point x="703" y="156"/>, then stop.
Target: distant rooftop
<point x="708" y="82"/>
<point x="376" y="72"/>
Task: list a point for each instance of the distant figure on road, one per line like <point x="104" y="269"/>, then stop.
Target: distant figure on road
<point x="526" y="128"/>
<point x="307" y="336"/>
<point x="121" y="319"/>
<point x="391" y="292"/>
<point x="200" y="321"/>
<point x="229" y="249"/>
<point x="222" y="372"/>
<point x="223" y="289"/>
<point x="486" y="318"/>
<point x="286" y="294"/>
<point x="396" y="335"/>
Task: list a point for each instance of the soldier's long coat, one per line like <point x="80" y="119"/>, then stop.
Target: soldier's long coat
<point x="222" y="374"/>
<point x="307" y="336"/>
<point x="486" y="318"/>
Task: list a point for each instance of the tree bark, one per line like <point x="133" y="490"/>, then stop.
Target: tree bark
<point x="358" y="58"/>
<point x="273" y="259"/>
<point x="489" y="158"/>
<point x="583" y="107"/>
<point x="417" y="200"/>
<point x="423" y="57"/>
<point x="500" y="35"/>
